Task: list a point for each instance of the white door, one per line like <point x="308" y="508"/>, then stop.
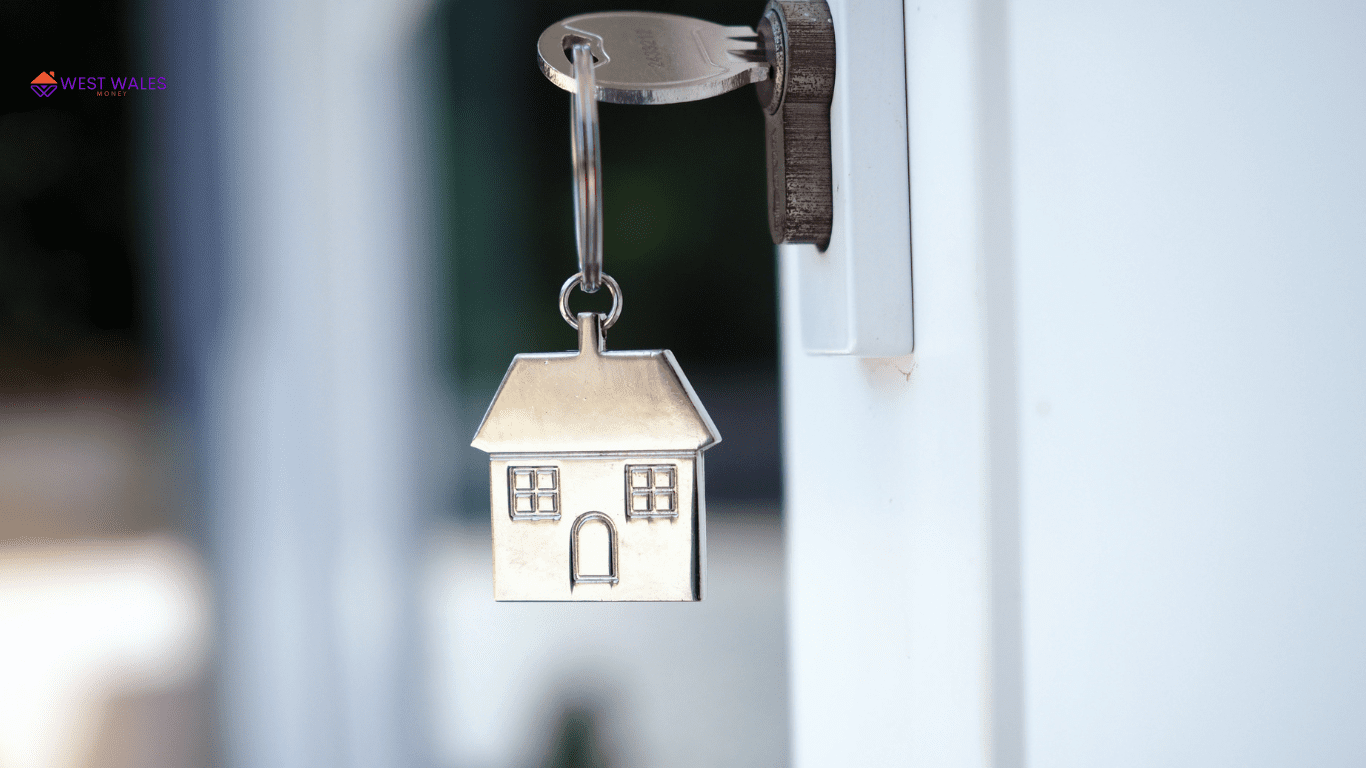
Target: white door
<point x="1111" y="511"/>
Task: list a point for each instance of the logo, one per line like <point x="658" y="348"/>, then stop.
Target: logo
<point x="43" y="84"/>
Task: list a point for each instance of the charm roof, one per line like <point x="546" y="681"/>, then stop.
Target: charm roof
<point x="593" y="400"/>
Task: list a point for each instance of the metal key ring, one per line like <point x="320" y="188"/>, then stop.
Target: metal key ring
<point x="587" y="157"/>
<point x="612" y="288"/>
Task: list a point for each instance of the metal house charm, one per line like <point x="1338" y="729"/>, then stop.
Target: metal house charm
<point x="595" y="465"/>
<point x="595" y="475"/>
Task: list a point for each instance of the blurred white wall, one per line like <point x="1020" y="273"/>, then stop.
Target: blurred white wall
<point x="1113" y="509"/>
<point x="85" y="622"/>
<point x="1190" y="208"/>
<point x="298" y="275"/>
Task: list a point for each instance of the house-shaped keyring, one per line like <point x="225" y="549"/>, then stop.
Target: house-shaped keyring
<point x="595" y="471"/>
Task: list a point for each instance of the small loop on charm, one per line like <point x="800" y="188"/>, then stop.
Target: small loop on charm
<point x="587" y="157"/>
<point x="612" y="288"/>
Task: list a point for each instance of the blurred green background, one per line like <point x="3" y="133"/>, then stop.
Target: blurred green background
<point x="685" y="229"/>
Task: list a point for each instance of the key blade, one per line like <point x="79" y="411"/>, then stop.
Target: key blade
<point x="654" y="58"/>
<point x="750" y="55"/>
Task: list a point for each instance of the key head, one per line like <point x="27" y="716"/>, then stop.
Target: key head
<point x="654" y="58"/>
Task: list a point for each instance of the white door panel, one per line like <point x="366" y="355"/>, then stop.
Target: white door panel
<point x="1113" y="509"/>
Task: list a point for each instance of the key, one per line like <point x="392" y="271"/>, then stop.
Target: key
<point x="654" y="58"/>
<point x="660" y="58"/>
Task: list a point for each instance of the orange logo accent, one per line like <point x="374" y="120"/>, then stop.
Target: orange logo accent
<point x="44" y="78"/>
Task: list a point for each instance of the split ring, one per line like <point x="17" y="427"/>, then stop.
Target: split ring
<point x="612" y="288"/>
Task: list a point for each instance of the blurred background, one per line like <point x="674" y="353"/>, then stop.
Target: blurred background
<point x="248" y="325"/>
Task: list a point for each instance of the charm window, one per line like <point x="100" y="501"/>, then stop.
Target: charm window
<point x="651" y="490"/>
<point x="534" y="493"/>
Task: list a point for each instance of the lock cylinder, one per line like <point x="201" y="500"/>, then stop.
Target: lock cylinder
<point x="798" y="41"/>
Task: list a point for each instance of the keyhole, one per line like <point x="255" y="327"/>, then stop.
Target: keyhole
<point x="572" y="40"/>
